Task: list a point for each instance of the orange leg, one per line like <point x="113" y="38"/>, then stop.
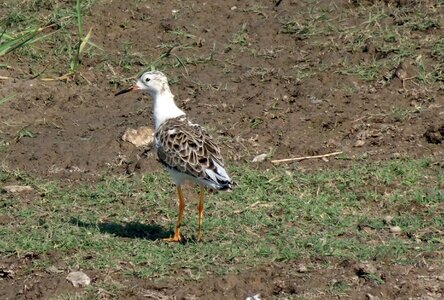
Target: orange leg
<point x="201" y="207"/>
<point x="176" y="237"/>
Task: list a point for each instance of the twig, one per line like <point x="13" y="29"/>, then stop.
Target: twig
<point x="252" y="206"/>
<point x="4" y="77"/>
<point x="62" y="78"/>
<point x="86" y="79"/>
<point x="305" y="157"/>
<point x="111" y="69"/>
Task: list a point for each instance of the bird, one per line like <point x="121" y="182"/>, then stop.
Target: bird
<point x="186" y="149"/>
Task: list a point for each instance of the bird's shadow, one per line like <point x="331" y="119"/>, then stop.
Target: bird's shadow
<point x="133" y="230"/>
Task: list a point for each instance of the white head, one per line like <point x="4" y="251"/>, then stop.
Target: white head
<point x="152" y="82"/>
<point x="155" y="83"/>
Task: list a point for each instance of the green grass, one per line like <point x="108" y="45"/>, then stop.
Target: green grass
<point x="22" y="32"/>
<point x="270" y="216"/>
<point x="370" y="37"/>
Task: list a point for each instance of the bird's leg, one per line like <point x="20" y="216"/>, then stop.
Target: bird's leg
<point x="201" y="207"/>
<point x="176" y="237"/>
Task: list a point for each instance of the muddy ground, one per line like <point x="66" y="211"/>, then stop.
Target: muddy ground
<point x="258" y="88"/>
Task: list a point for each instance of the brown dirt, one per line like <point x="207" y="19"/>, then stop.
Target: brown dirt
<point x="316" y="279"/>
<point x="252" y="104"/>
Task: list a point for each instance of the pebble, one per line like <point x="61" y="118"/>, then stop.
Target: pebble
<point x="359" y="143"/>
<point x="371" y="297"/>
<point x="260" y="158"/>
<point x="301" y="268"/>
<point x="395" y="229"/>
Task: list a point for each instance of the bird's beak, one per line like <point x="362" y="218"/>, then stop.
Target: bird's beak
<point x="131" y="88"/>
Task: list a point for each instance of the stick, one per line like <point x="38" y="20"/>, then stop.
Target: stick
<point x="305" y="157"/>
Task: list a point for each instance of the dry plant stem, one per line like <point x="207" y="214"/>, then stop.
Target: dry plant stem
<point x="305" y="157"/>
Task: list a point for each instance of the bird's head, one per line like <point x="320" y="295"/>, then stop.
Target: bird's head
<point x="152" y="82"/>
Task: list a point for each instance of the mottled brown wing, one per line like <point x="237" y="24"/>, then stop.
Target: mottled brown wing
<point x="187" y="147"/>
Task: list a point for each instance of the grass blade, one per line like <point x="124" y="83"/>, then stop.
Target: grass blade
<point x="6" y="99"/>
<point x="18" y="42"/>
<point x="79" y="18"/>
<point x="84" y="42"/>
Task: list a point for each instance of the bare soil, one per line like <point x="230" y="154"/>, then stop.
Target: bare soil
<point x="252" y="104"/>
<point x="316" y="279"/>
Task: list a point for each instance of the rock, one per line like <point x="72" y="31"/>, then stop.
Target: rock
<point x="371" y="297"/>
<point x="6" y="273"/>
<point x="260" y="158"/>
<point x="255" y="297"/>
<point x="78" y="279"/>
<point x="301" y="268"/>
<point x="396" y="155"/>
<point x="17" y="188"/>
<point x="395" y="229"/>
<point x="359" y="143"/>
<point x="142" y="136"/>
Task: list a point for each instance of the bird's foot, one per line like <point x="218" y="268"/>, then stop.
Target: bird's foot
<point x="175" y="239"/>
<point x="172" y="240"/>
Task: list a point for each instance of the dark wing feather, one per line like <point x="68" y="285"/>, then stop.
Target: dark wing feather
<point x="188" y="148"/>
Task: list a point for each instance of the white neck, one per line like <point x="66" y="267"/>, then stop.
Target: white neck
<point x="164" y="107"/>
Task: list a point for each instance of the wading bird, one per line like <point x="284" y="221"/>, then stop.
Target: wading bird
<point x="186" y="149"/>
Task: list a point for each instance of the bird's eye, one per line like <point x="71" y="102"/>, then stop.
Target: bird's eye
<point x="147" y="79"/>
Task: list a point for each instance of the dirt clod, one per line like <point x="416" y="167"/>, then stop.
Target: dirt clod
<point x="435" y="134"/>
<point x="142" y="136"/>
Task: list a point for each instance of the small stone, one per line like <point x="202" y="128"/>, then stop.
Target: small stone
<point x="78" y="279"/>
<point x="17" y="188"/>
<point x="359" y="143"/>
<point x="371" y="297"/>
<point x="260" y="158"/>
<point x="255" y="297"/>
<point x="6" y="273"/>
<point x="142" y="136"/>
<point x="301" y="268"/>
<point x="395" y="229"/>
<point x="388" y="220"/>
<point x="396" y="155"/>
